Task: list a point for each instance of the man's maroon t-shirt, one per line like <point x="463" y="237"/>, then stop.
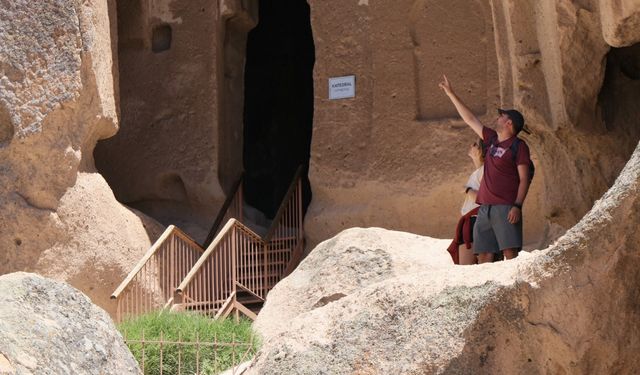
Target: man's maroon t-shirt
<point x="500" y="180"/>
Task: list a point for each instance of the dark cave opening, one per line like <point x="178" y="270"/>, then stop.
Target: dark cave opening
<point x="278" y="107"/>
<point x="619" y="94"/>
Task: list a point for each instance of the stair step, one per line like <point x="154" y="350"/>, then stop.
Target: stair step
<point x="273" y="263"/>
<point x="249" y="299"/>
<point x="257" y="288"/>
<point x="281" y="239"/>
<point x="260" y="253"/>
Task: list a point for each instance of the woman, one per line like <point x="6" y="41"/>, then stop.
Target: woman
<point x="460" y="248"/>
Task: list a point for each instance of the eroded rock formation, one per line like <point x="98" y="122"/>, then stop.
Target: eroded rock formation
<point x="570" y="309"/>
<point x="48" y="327"/>
<point x="355" y="259"/>
<point x="394" y="156"/>
<point x="57" y="99"/>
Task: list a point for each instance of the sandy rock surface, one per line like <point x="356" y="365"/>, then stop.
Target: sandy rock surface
<point x="48" y="327"/>
<point x="101" y="240"/>
<point x="372" y="300"/>
<point x="355" y="259"/>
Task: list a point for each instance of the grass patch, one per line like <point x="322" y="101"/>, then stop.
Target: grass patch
<point x="205" y="358"/>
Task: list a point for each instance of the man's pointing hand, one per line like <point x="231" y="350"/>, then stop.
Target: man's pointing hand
<point x="445" y="85"/>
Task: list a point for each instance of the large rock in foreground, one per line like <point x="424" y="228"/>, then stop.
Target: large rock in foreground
<point x="372" y="300"/>
<point x="48" y="327"/>
<point x="570" y="309"/>
<point x="354" y="260"/>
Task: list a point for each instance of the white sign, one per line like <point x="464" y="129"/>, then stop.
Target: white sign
<point x="342" y="87"/>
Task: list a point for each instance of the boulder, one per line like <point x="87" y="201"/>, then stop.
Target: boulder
<point x="354" y="259"/>
<point x="571" y="308"/>
<point x="100" y="240"/>
<point x="48" y="327"/>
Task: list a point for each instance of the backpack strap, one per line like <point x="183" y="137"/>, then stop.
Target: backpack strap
<point x="514" y="149"/>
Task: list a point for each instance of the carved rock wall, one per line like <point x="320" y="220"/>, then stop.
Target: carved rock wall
<point x="395" y="155"/>
<point x="164" y="158"/>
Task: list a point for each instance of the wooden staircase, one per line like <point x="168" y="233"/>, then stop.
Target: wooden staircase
<point x="231" y="272"/>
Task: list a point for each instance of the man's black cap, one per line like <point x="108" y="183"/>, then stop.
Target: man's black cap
<point x="516" y="118"/>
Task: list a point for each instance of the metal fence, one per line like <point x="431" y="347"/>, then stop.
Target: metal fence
<point x="159" y="356"/>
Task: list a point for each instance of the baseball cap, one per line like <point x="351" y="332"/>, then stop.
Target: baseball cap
<point x="516" y="118"/>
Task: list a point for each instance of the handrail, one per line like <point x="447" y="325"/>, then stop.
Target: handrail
<point x="223" y="211"/>
<point x="150" y="284"/>
<point x="228" y="303"/>
<point x="283" y="205"/>
<point x="152" y="250"/>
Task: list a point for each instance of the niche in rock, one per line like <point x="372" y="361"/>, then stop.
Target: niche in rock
<point x="6" y="127"/>
<point x="474" y="56"/>
<point x="619" y="95"/>
<point x="278" y="108"/>
<point x="161" y="38"/>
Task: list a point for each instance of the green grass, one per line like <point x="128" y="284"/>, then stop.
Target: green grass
<point x="187" y="328"/>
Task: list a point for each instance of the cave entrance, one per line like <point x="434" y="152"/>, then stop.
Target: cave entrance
<point x="278" y="104"/>
<point x="619" y="95"/>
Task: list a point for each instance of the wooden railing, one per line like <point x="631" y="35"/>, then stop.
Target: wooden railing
<point x="240" y="261"/>
<point x="151" y="283"/>
<point x="231" y="209"/>
<point x="178" y="273"/>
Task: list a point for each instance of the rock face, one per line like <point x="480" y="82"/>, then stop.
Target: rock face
<point x="47" y="327"/>
<point x="57" y="98"/>
<point x="99" y="240"/>
<point x="565" y="310"/>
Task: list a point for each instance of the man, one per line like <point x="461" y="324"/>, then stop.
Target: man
<point x="504" y="185"/>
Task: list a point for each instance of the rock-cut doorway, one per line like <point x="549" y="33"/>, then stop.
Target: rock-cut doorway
<point x="278" y="104"/>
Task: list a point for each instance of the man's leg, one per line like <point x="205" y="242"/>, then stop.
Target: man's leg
<point x="509" y="236"/>
<point x="510" y="253"/>
<point x="485" y="258"/>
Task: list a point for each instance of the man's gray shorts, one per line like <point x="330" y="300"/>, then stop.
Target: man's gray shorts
<point x="493" y="232"/>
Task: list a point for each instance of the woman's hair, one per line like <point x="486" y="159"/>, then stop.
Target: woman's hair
<point x="480" y="144"/>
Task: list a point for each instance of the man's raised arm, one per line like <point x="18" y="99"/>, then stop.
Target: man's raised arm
<point x="462" y="109"/>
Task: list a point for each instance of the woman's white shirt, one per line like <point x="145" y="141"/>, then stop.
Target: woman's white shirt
<point x="474" y="183"/>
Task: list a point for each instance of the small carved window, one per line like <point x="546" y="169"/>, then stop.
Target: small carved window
<point x="161" y="38"/>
